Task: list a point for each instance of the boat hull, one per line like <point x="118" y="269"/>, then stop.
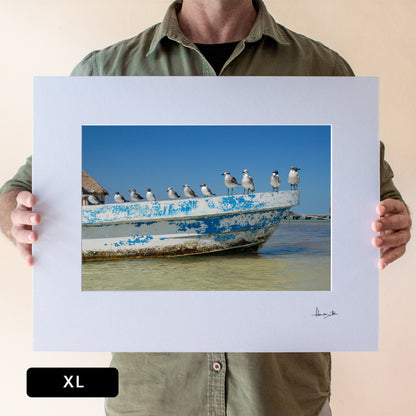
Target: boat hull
<point x="188" y="227"/>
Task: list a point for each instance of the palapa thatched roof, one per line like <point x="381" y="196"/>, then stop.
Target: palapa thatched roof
<point x="91" y="184"/>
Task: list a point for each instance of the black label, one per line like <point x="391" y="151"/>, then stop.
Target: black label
<point x="72" y="382"/>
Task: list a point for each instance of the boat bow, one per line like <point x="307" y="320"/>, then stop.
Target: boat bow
<point x="179" y="227"/>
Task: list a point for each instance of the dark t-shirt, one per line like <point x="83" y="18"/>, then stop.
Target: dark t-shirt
<point x="217" y="54"/>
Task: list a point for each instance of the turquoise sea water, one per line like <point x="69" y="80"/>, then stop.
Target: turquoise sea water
<point x="296" y="257"/>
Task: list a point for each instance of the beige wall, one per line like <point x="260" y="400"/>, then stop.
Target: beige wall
<point x="375" y="36"/>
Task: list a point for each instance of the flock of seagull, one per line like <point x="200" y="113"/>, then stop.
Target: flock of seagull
<point x="229" y="181"/>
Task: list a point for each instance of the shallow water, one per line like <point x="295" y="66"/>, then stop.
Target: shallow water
<point x="296" y="257"/>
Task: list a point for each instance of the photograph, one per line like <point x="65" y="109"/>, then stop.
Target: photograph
<point x="206" y="207"/>
<point x="199" y="222"/>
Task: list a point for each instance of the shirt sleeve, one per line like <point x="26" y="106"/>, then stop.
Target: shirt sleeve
<point x="387" y="188"/>
<point x="87" y="67"/>
<point x="342" y="67"/>
<point x="22" y="179"/>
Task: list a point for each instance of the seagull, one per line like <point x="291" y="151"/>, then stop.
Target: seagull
<point x="205" y="190"/>
<point x="247" y="182"/>
<point x="189" y="193"/>
<point x="119" y="199"/>
<point x="275" y="181"/>
<point x="135" y="197"/>
<point x="230" y="182"/>
<point x="150" y="196"/>
<point x="93" y="200"/>
<point x="172" y="194"/>
<point x="293" y="178"/>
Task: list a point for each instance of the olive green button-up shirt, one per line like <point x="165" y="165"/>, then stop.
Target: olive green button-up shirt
<point x="218" y="384"/>
<point x="269" y="50"/>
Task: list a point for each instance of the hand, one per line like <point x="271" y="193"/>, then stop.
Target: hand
<point x="394" y="228"/>
<point x="22" y="220"/>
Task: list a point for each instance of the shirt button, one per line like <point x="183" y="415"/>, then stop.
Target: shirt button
<point x="216" y="366"/>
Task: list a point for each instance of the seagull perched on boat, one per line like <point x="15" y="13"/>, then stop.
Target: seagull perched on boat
<point x="189" y="193"/>
<point x="172" y="194"/>
<point x="293" y="178"/>
<point x="247" y="182"/>
<point x="230" y="182"/>
<point x="134" y="196"/>
<point x="93" y="200"/>
<point x="275" y="181"/>
<point x="206" y="191"/>
<point x="150" y="196"/>
<point x="119" y="199"/>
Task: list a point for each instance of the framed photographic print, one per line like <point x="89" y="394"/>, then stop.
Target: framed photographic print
<point x="206" y="214"/>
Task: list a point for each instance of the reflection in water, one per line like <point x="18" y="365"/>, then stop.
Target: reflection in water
<point x="296" y="257"/>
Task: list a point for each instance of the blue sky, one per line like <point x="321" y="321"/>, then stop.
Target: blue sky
<point x="156" y="157"/>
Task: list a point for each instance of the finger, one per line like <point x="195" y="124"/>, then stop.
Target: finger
<point x="25" y="250"/>
<point x="24" y="235"/>
<point x="391" y="206"/>
<point x="392" y="222"/>
<point x="395" y="239"/>
<point x="26" y="199"/>
<point x="391" y="255"/>
<point x="22" y="216"/>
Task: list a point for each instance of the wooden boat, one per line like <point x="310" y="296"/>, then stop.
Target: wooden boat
<point x="183" y="227"/>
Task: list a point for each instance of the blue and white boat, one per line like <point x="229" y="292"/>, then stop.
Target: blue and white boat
<point x="183" y="227"/>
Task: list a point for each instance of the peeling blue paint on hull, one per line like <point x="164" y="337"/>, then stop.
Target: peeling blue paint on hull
<point x="183" y="227"/>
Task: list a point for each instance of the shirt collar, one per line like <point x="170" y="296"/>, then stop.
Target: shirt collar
<point x="263" y="25"/>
